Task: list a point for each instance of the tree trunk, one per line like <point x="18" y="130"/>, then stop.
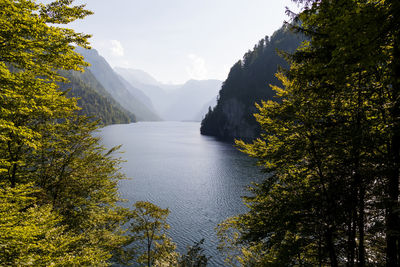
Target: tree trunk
<point x="361" y="226"/>
<point x="392" y="221"/>
<point x="331" y="247"/>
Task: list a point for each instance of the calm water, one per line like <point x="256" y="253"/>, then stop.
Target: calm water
<point x="200" y="179"/>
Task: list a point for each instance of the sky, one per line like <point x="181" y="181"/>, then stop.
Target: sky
<point x="178" y="40"/>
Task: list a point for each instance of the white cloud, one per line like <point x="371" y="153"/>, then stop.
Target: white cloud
<point x="116" y="48"/>
<point x="197" y="67"/>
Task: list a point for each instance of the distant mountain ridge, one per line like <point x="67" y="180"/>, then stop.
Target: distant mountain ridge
<point x="247" y="83"/>
<point x="153" y="90"/>
<point x="138" y="94"/>
<point x="137" y="75"/>
<point x="174" y="102"/>
<point x="117" y="88"/>
<point x="190" y="98"/>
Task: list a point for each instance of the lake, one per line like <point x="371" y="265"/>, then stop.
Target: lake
<point x="200" y="179"/>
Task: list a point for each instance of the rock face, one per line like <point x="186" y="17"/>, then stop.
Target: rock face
<point x="236" y="124"/>
<point x="248" y="83"/>
<point x="230" y="122"/>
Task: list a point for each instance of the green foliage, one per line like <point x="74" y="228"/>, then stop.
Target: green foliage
<point x="116" y="87"/>
<point x="33" y="233"/>
<point x="149" y="245"/>
<point x="194" y="256"/>
<point x="29" y="233"/>
<point x="148" y="242"/>
<point x="31" y="51"/>
<point x="331" y="146"/>
<point x="94" y="101"/>
<point x="247" y="83"/>
<point x="58" y="185"/>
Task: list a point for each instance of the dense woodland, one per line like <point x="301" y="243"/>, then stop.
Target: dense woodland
<point x="329" y="145"/>
<point x="248" y="83"/>
<point x="112" y="83"/>
<point x="58" y="186"/>
<point x="94" y="101"/>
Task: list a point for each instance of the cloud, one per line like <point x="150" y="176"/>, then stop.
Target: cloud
<point x="197" y="67"/>
<point x="116" y="48"/>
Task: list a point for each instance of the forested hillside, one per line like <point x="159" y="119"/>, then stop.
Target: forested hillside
<point x="326" y="136"/>
<point x="248" y="83"/>
<point x="93" y="99"/>
<point x="330" y="146"/>
<point x="115" y="87"/>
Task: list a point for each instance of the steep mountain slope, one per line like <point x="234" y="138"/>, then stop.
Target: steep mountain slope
<point x="148" y="85"/>
<point x="93" y="99"/>
<point x="115" y="87"/>
<point x="138" y="94"/>
<point x="206" y="108"/>
<point x="174" y="102"/>
<point x="247" y="83"/>
<point x="135" y="75"/>
<point x="190" y="98"/>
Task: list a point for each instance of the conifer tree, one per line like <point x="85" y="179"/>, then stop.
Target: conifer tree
<point x="331" y="146"/>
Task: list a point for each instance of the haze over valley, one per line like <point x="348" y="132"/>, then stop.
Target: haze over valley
<point x="171" y="157"/>
<point x="183" y="102"/>
<point x="188" y="133"/>
<point x="146" y="98"/>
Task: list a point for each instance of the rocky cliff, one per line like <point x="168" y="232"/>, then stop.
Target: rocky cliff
<point x="248" y="83"/>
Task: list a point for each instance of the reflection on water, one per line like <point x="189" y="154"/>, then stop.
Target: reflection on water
<point x="199" y="179"/>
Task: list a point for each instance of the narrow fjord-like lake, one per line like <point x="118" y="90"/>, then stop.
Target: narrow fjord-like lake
<point x="201" y="180"/>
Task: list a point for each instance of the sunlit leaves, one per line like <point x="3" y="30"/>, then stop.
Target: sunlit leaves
<point x="330" y="144"/>
<point x="148" y="242"/>
<point x="58" y="185"/>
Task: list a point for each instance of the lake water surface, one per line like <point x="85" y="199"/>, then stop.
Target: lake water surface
<point x="201" y="180"/>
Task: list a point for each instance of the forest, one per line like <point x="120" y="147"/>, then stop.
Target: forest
<point x="59" y="200"/>
<point x="328" y="143"/>
<point x="246" y="84"/>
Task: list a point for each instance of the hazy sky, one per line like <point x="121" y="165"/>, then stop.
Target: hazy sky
<point x="177" y="40"/>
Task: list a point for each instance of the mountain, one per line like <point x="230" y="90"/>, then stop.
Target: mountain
<point x="187" y="101"/>
<point x="113" y="84"/>
<point x="136" y="75"/>
<point x="247" y="83"/>
<point x="153" y="90"/>
<point x="174" y="102"/>
<point x="138" y="94"/>
<point x="93" y="99"/>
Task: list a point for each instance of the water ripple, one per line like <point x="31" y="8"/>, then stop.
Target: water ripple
<point x="199" y="179"/>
